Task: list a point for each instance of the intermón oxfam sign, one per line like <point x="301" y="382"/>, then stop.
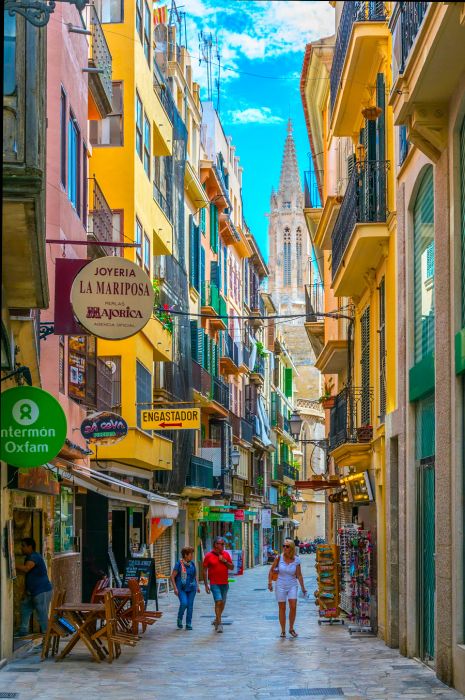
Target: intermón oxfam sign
<point x="112" y="298"/>
<point x="33" y="426"/>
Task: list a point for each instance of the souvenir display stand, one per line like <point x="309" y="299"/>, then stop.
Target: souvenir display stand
<point x="355" y="554"/>
<point x="328" y="593"/>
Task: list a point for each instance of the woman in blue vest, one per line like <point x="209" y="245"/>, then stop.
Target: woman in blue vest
<point x="185" y="584"/>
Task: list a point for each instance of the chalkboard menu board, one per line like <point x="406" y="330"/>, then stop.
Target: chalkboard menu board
<point x="144" y="571"/>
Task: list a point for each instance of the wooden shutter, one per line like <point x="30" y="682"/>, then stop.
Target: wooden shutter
<point x="214" y="273"/>
<point x="288" y="381"/>
<point x="203" y="220"/>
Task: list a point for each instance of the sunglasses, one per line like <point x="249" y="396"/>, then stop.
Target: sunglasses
<point x="286" y="546"/>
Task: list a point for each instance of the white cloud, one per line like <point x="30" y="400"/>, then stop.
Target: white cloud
<point x="253" y="115"/>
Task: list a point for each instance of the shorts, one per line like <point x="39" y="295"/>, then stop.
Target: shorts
<point x="286" y="591"/>
<point x="219" y="591"/>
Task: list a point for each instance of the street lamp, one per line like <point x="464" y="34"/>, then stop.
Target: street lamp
<point x="235" y="457"/>
<point x="295" y="422"/>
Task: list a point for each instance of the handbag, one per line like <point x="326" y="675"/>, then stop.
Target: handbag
<point x="275" y="572"/>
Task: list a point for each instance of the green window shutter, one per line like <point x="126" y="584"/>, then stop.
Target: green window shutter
<point x="273" y="408"/>
<point x="288" y="382"/>
<point x="213" y="228"/>
<point x="423" y="265"/>
<point x="203" y="221"/>
<point x="194" y="347"/>
<point x="200" y="334"/>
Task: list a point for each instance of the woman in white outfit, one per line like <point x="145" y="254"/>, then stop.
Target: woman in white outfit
<point x="287" y="566"/>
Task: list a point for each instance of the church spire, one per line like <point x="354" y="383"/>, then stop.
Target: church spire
<point x="289" y="184"/>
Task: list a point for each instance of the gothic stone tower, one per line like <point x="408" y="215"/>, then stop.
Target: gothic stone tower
<point x="289" y="260"/>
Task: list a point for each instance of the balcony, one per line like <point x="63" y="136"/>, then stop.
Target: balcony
<point x="140" y="449"/>
<point x="162" y="202"/>
<point x="160" y="338"/>
<point x="164" y="115"/>
<point x="213" y="304"/>
<point x="199" y="477"/>
<point x="257" y="311"/>
<point x="277" y="474"/>
<point x="221" y="392"/>
<point x="100" y="68"/>
<point x="313" y="208"/>
<point x="235" y="422"/>
<point x="161" y="214"/>
<point x="290" y="473"/>
<point x="247" y="430"/>
<point x="425" y="77"/>
<point x="360" y="236"/>
<point x="201" y="379"/>
<point x="99" y="222"/>
<point x="351" y="427"/>
<point x="314" y="324"/>
<point x="361" y="45"/>
<point x="257" y="376"/>
<point x="229" y="355"/>
<point x="193" y="187"/>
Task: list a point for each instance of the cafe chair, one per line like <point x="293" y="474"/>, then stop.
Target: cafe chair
<point x="110" y="632"/>
<point x="98" y="588"/>
<point x="163" y="580"/>
<point x="55" y="630"/>
<point x="137" y="612"/>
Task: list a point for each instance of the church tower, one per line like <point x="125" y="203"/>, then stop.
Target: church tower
<point x="289" y="243"/>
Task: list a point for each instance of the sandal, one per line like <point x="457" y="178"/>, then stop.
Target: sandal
<point x="293" y="633"/>
<point x="283" y="634"/>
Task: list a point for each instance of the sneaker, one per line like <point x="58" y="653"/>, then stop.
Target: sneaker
<point x="214" y="622"/>
<point x="219" y="628"/>
<point x="179" y="624"/>
<point x="188" y="627"/>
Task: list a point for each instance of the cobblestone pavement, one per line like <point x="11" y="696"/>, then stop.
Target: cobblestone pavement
<point x="249" y="660"/>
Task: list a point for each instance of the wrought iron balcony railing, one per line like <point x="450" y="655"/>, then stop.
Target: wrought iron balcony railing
<point x="351" y="417"/>
<point x="201" y="379"/>
<point x="162" y="91"/>
<point x="352" y="12"/>
<point x="405" y="24"/>
<point x="235" y="422"/>
<point x="259" y="367"/>
<point x="100" y="64"/>
<point x="257" y="304"/>
<point x="290" y="471"/>
<point x="312" y="199"/>
<point x="100" y="218"/>
<point x="200" y="473"/>
<point x="231" y="349"/>
<point x="210" y="296"/>
<point x="278" y="472"/>
<point x="365" y="201"/>
<point x="314" y="301"/>
<point x="247" y="430"/>
<point x="221" y="392"/>
<point x="162" y="202"/>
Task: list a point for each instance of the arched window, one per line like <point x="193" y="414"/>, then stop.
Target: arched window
<point x="423" y="267"/>
<point x="298" y="252"/>
<point x="287" y="258"/>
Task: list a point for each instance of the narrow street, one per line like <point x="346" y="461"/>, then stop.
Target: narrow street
<point x="249" y="660"/>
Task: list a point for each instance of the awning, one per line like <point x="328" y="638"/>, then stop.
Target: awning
<point x="170" y="509"/>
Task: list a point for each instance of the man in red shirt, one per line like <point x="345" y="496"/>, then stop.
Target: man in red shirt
<point x="217" y="563"/>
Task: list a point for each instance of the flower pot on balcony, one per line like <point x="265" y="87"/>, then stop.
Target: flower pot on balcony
<point x="328" y="402"/>
<point x="365" y="433"/>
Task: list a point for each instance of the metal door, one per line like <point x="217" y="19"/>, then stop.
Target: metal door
<point x="426" y="564"/>
<point x="256" y="544"/>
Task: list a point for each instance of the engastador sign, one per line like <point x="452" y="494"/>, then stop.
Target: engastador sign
<point x="112" y="298"/>
<point x="33" y="426"/>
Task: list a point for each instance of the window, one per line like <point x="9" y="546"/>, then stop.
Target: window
<point x="139" y="118"/>
<point x="9" y="53"/>
<point x="287" y="258"/>
<point x="118" y="226"/>
<point x="74" y="147"/>
<point x="147" y="253"/>
<point x="382" y="350"/>
<point x="138" y="240"/>
<point x="147" y="32"/>
<point x="143" y="390"/>
<point x="139" y="18"/>
<point x="63" y="138"/>
<point x="64" y="521"/>
<point x="146" y="145"/>
<point x="109" y="131"/>
<point x="85" y="193"/>
<point x="423" y="267"/>
<point x="298" y="250"/>
<point x="114" y="365"/>
<point x="110" y="11"/>
<point x="365" y="367"/>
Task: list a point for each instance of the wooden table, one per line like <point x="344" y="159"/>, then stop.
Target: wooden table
<point x="83" y="617"/>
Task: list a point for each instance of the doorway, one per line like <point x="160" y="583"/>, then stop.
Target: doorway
<point x="26" y="523"/>
<point x="119" y="538"/>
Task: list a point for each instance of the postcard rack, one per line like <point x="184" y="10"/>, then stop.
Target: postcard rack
<point x="328" y="593"/>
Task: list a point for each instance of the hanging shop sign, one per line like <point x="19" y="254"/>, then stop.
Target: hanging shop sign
<point x="173" y="419"/>
<point x="64" y="320"/>
<point x="104" y="428"/>
<point x="239" y="515"/>
<point x="359" y="487"/>
<point x="33" y="426"/>
<point x="112" y="298"/>
<point x="266" y="518"/>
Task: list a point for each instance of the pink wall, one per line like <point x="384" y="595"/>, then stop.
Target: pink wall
<point x="67" y="55"/>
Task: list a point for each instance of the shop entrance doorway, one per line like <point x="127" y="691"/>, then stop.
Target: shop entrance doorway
<point x="426" y="564"/>
<point x="118" y="538"/>
<point x="26" y="523"/>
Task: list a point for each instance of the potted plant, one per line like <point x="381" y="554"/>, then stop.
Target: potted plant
<point x="161" y="312"/>
<point x="365" y="433"/>
<point x="327" y="400"/>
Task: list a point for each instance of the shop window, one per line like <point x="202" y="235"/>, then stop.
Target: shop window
<point x="64" y="521"/>
<point x="423" y="250"/>
<point x="109" y="131"/>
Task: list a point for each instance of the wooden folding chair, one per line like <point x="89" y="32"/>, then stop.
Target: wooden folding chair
<point x="99" y="586"/>
<point x="109" y="631"/>
<point x="137" y="612"/>
<point x="54" y="631"/>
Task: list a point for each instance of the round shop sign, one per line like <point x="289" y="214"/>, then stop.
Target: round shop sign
<point x="112" y="298"/>
<point x="104" y="428"/>
<point x="33" y="426"/>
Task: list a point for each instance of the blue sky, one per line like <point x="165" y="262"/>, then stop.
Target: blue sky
<point x="259" y="38"/>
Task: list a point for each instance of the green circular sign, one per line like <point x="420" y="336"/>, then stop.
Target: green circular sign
<point x="33" y="426"/>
